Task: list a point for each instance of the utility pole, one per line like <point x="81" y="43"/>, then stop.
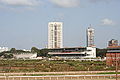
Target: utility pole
<point x="116" y="66"/>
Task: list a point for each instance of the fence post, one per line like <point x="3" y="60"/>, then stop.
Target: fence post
<point x="104" y="77"/>
<point x="98" y="77"/>
<point x="110" y="77"/>
<point x="84" y="77"/>
<point x="5" y="77"/>
<point x="43" y="78"/>
<point x="28" y="78"/>
<point x="64" y="78"/>
<point x="78" y="77"/>
<point x="35" y="78"/>
<point x="8" y="78"/>
<point x="20" y="78"/>
<point x="13" y="78"/>
<point x="50" y="78"/>
<point x="70" y="77"/>
<point x="57" y="78"/>
<point x="91" y="77"/>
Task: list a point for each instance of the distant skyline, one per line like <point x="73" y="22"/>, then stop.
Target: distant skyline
<point x="24" y="23"/>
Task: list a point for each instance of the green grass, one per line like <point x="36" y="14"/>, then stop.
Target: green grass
<point x="51" y="66"/>
<point x="43" y="74"/>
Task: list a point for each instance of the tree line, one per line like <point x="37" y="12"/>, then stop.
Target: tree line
<point x="43" y="52"/>
<point x="9" y="54"/>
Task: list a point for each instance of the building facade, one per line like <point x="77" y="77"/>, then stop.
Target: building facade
<point x="55" y="37"/>
<point x="25" y="55"/>
<point x="73" y="53"/>
<point x="90" y="37"/>
<point x="113" y="56"/>
<point x="113" y="53"/>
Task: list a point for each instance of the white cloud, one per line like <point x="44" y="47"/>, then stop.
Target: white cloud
<point x="107" y="21"/>
<point x="20" y="2"/>
<point x="66" y="3"/>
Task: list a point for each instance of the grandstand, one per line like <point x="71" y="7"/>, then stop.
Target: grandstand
<point x="74" y="53"/>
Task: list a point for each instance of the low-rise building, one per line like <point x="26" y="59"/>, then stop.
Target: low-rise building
<point x="113" y="55"/>
<point x="25" y="55"/>
<point x="3" y="49"/>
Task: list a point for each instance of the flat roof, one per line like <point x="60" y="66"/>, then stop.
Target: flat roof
<point x="66" y="53"/>
<point x="113" y="51"/>
<point x="68" y="48"/>
<point x="112" y="47"/>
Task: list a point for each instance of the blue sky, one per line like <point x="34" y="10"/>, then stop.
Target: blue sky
<point x="24" y="23"/>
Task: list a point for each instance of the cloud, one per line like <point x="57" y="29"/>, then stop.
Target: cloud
<point x="66" y="3"/>
<point x="19" y="2"/>
<point x="107" y="21"/>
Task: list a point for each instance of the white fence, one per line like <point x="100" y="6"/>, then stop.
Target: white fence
<point x="62" y="77"/>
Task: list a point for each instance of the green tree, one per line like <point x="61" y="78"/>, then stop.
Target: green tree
<point x="8" y="55"/>
<point x="43" y="52"/>
<point x="101" y="53"/>
<point x="13" y="50"/>
<point x="40" y="52"/>
<point x="2" y="53"/>
<point x="34" y="50"/>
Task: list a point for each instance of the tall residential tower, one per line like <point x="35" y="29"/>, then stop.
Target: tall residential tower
<point x="90" y="37"/>
<point x="55" y="38"/>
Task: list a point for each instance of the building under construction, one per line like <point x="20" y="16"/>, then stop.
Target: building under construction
<point x="90" y="37"/>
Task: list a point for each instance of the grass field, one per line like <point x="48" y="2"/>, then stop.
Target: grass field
<point x="44" y="68"/>
<point x="51" y="66"/>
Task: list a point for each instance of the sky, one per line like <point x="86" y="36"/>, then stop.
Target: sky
<point x="24" y="23"/>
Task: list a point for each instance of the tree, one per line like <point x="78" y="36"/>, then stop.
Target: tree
<point x="2" y="53"/>
<point x="101" y="53"/>
<point x="8" y="55"/>
<point x="40" y="52"/>
<point x="34" y="50"/>
<point x="43" y="52"/>
<point x="13" y="50"/>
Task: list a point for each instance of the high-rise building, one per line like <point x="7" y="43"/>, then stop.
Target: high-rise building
<point x="55" y="38"/>
<point x="90" y="37"/>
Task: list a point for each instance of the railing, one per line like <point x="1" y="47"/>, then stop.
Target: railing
<point x="65" y="73"/>
<point x="61" y="77"/>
